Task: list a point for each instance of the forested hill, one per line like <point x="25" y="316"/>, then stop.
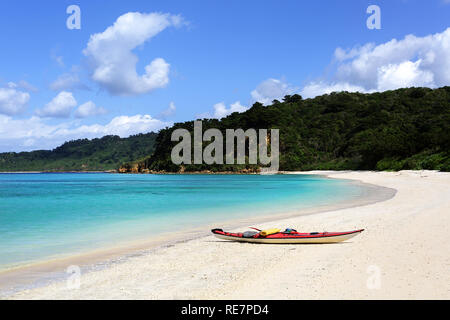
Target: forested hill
<point x="102" y="154"/>
<point x="392" y="130"/>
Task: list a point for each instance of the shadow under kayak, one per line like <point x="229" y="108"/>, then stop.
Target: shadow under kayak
<point x="288" y="238"/>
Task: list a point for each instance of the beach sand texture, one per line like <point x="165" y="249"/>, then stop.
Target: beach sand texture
<point x="404" y="253"/>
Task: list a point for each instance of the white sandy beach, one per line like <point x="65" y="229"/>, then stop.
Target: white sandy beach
<point x="404" y="253"/>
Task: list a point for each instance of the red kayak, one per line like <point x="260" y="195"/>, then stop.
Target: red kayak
<point x="290" y="237"/>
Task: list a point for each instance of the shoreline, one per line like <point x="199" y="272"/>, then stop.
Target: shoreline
<point x="402" y="243"/>
<point x="25" y="172"/>
<point x="39" y="273"/>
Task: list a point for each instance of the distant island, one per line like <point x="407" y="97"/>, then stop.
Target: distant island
<point x="105" y="154"/>
<point x="391" y="130"/>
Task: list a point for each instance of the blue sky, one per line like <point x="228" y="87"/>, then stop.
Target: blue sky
<point x="211" y="58"/>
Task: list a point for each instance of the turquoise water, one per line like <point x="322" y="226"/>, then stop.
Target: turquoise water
<point x="46" y="215"/>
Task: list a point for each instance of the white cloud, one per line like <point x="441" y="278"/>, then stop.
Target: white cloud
<point x="272" y="89"/>
<point x="122" y="126"/>
<point x="13" y="101"/>
<point x="60" y="107"/>
<point x="203" y="115"/>
<point x="68" y="81"/>
<point x="89" y="109"/>
<point x="414" y="55"/>
<point x="314" y="89"/>
<point x="220" y="109"/>
<point x="34" y="133"/>
<point x="170" y="111"/>
<point x="405" y="74"/>
<point x="22" y="84"/>
<point x="111" y="58"/>
<point x="59" y="60"/>
<point x="412" y="61"/>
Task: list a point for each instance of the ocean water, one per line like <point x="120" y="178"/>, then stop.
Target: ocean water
<point x="46" y="215"/>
